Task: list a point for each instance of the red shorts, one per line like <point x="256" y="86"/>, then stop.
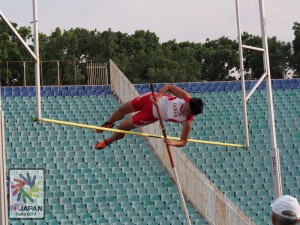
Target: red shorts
<point x="144" y="105"/>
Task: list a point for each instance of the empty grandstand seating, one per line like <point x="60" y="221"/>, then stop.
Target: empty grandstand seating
<point x="125" y="184"/>
<point x="240" y="173"/>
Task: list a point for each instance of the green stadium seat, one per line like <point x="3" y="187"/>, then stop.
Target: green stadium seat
<point x="53" y="222"/>
<point x="41" y="222"/>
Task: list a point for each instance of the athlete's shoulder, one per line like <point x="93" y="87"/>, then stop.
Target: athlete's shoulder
<point x="169" y="97"/>
<point x="173" y="97"/>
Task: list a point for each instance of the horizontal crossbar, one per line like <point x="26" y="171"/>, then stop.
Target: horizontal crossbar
<point x="137" y="133"/>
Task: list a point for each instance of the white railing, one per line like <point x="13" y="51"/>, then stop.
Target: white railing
<point x="97" y="73"/>
<point x="210" y="202"/>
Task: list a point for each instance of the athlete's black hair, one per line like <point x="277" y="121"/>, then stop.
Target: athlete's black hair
<point x="196" y="106"/>
<point x="286" y="221"/>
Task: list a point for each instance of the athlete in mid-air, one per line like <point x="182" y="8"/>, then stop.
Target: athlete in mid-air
<point x="177" y="107"/>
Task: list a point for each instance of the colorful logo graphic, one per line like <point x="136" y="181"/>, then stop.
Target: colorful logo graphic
<point x="26" y="193"/>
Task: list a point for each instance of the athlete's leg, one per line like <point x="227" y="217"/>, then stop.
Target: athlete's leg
<point x="140" y="119"/>
<point x="143" y="117"/>
<point x="125" y="125"/>
<point x="124" y="109"/>
<point x="134" y="105"/>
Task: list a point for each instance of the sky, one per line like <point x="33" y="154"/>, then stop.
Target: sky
<point x="182" y="20"/>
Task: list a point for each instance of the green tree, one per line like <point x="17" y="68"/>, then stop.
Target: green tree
<point x="51" y="48"/>
<point x="279" y="57"/>
<point x="136" y="54"/>
<point x="143" y="58"/>
<point x="219" y="56"/>
<point x="67" y="47"/>
<point x="184" y="56"/>
<point x="12" y="50"/>
<point x="296" y="49"/>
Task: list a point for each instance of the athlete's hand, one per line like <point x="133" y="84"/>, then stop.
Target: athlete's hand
<point x="154" y="101"/>
<point x="167" y="141"/>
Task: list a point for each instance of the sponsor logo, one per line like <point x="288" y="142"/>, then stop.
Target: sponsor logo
<point x="26" y="193"/>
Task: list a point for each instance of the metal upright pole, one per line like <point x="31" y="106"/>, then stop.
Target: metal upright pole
<point x="242" y="75"/>
<point x="3" y="191"/>
<point x="274" y="151"/>
<point x="24" y="74"/>
<point x="58" y="73"/>
<point x="7" y="73"/>
<point x="37" y="61"/>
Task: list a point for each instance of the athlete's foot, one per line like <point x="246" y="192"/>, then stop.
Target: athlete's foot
<point x="101" y="145"/>
<point x="105" y="125"/>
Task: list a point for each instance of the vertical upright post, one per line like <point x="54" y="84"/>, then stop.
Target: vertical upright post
<point x="246" y="130"/>
<point x="37" y="61"/>
<point x="274" y="151"/>
<point x="7" y="74"/>
<point x="41" y="74"/>
<point x="24" y="73"/>
<point x="3" y="191"/>
<point x="58" y="73"/>
<point x="75" y="72"/>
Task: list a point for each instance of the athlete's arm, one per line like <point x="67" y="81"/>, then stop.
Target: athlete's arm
<point x="186" y="127"/>
<point x="178" y="92"/>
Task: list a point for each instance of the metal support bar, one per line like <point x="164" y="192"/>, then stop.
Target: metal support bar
<point x="17" y="35"/>
<point x="253" y="48"/>
<point x="58" y="73"/>
<point x="246" y="129"/>
<point x="24" y="73"/>
<point x="256" y="86"/>
<point x="37" y="60"/>
<point x="7" y="74"/>
<point x="274" y="153"/>
<point x="3" y="191"/>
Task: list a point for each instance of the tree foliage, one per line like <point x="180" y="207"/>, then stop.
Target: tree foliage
<point x="143" y="58"/>
<point x="280" y="57"/>
<point x="296" y="48"/>
<point x="220" y="56"/>
<point x="12" y="50"/>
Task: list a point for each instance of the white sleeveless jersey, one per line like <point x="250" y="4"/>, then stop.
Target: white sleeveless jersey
<point x="169" y="107"/>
